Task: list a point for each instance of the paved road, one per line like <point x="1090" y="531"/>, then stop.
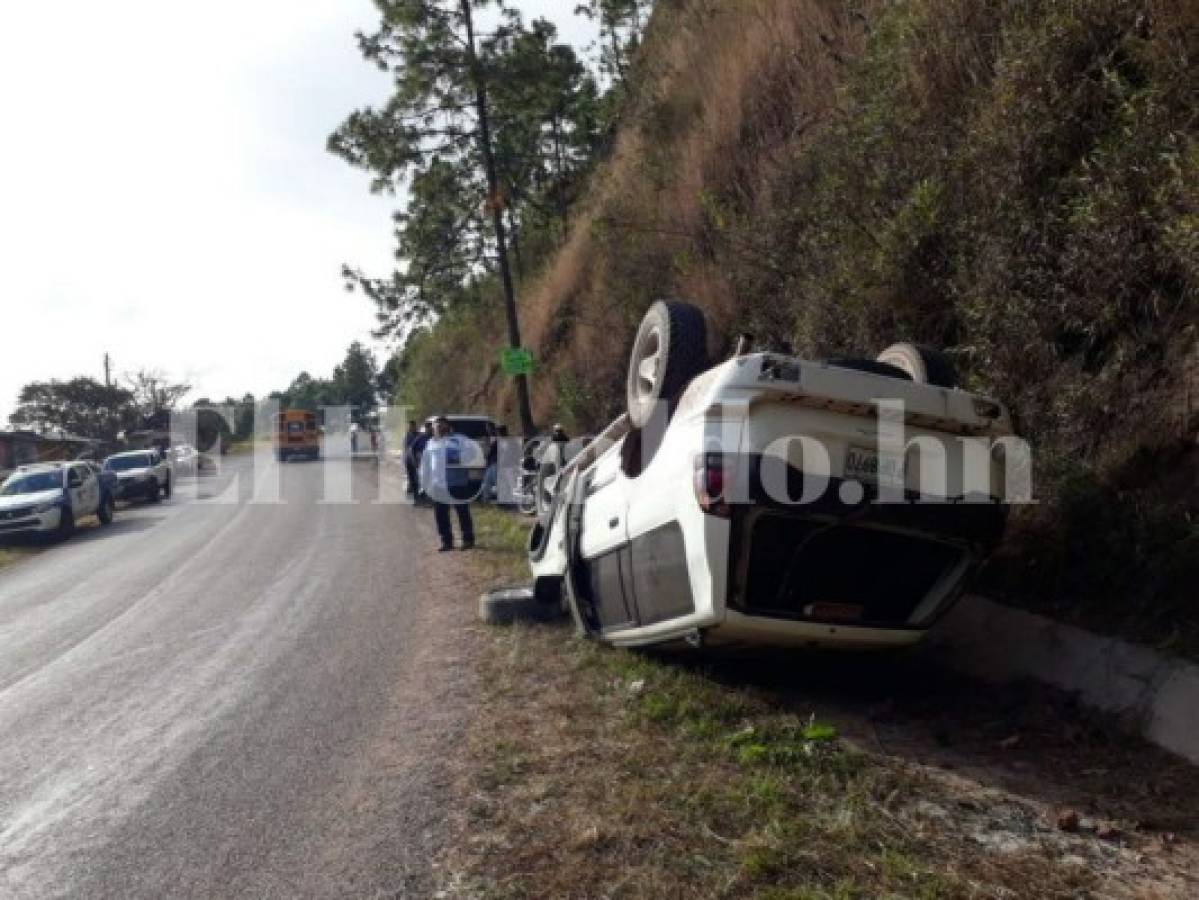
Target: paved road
<point x="214" y="699"/>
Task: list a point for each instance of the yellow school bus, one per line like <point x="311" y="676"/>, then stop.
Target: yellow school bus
<point x="296" y="434"/>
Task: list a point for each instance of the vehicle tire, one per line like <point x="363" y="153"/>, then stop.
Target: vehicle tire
<point x="509" y="605"/>
<point x="925" y="365"/>
<point x="155" y="492"/>
<point x="549" y="475"/>
<point x="670" y="349"/>
<point x="105" y="512"/>
<point x="873" y="366"/>
<point x="166" y="488"/>
<point x="66" y="523"/>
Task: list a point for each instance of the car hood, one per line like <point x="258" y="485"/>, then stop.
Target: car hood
<point x="17" y="501"/>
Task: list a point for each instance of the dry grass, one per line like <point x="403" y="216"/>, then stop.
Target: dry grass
<point x="725" y="90"/>
<point x="602" y="773"/>
<point x="11" y="555"/>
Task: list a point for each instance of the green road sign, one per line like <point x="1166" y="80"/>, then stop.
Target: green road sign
<point x="516" y="361"/>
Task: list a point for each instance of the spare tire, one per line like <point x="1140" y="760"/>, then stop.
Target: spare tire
<point x="873" y="366"/>
<point x="670" y="349"/>
<point x="506" y="606"/>
<point x="924" y="364"/>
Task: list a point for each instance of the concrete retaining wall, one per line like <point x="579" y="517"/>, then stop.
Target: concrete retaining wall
<point x="1156" y="694"/>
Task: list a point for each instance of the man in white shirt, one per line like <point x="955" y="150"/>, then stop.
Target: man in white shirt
<point x="440" y="468"/>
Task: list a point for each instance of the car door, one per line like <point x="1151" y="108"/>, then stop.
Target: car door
<point x="604" y="543"/>
<point x="76" y="491"/>
<point x="91" y="489"/>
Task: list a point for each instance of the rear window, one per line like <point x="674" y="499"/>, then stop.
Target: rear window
<point x="295" y="427"/>
<point x="475" y="429"/>
<point x="124" y="463"/>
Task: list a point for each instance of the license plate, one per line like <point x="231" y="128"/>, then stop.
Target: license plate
<point x="867" y="465"/>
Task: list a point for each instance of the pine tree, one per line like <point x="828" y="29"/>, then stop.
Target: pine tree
<point x="437" y="122"/>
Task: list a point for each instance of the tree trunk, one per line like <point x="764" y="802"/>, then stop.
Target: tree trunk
<point x="516" y="257"/>
<point x="497" y="216"/>
<point x="560" y="188"/>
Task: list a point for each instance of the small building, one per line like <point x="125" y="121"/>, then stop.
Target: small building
<point x="21" y="448"/>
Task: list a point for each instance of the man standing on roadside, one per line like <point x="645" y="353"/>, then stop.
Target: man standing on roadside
<point x="440" y="468"/>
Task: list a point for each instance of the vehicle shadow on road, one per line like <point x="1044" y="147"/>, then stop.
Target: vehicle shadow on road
<point x="84" y="532"/>
<point x="1027" y="739"/>
<point x="118" y="526"/>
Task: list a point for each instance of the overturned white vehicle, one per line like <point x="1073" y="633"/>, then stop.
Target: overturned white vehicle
<point x="772" y="500"/>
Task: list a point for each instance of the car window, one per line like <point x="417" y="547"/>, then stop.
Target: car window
<point x="475" y="429"/>
<point x="125" y="463"/>
<point x="31" y="483"/>
<point x="74" y="478"/>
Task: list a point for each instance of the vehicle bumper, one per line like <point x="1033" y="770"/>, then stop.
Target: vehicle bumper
<point x="41" y="523"/>
<point x="134" y="490"/>
<point x="739" y="628"/>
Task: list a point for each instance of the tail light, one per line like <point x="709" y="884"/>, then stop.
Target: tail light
<point x="712" y="478"/>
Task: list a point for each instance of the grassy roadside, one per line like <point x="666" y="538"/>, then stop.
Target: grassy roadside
<point x="596" y="772"/>
<point x="11" y="555"/>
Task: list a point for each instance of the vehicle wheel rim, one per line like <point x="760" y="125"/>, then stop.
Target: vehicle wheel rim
<point x="549" y="486"/>
<point x="648" y="366"/>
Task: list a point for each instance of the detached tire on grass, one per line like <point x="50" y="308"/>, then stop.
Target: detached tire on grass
<point x="507" y="606"/>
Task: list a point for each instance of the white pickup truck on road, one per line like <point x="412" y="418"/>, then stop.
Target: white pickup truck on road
<point x="141" y="474"/>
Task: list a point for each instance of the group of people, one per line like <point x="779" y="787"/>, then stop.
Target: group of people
<point x="437" y="462"/>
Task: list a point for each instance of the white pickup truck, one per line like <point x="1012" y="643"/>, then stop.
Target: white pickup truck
<point x="49" y="498"/>
<point x="762" y="500"/>
<point x="141" y="474"/>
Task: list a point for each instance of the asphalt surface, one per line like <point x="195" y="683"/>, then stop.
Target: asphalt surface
<point x="232" y="698"/>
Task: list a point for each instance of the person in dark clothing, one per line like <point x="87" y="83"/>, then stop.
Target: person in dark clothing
<point x="411" y="463"/>
<point x="442" y="478"/>
<point x="490" y="476"/>
<point x="415" y="453"/>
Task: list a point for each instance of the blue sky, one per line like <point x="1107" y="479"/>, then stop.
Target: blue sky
<point x="165" y="195"/>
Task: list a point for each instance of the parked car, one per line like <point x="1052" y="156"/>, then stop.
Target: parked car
<point x="185" y="459"/>
<point x="141" y="474"/>
<point x="49" y="498"/>
<point x="677" y="523"/>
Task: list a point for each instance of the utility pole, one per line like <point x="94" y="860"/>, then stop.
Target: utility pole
<point x="107" y="371"/>
<point x="497" y="215"/>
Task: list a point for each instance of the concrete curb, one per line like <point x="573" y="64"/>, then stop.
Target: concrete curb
<point x="1158" y="696"/>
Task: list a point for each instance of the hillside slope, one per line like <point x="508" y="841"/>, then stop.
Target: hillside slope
<point x="1016" y="182"/>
